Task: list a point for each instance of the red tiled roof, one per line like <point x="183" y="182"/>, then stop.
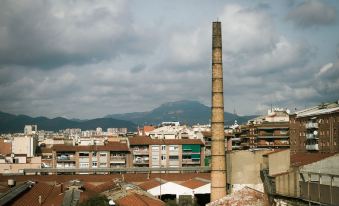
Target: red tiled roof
<point x="112" y="146"/>
<point x="149" y="141"/>
<point x="193" y="183"/>
<point x="129" y="177"/>
<point x="139" y="200"/>
<point x="149" y="184"/>
<point x="148" y="128"/>
<point x="31" y="197"/>
<point x="300" y="159"/>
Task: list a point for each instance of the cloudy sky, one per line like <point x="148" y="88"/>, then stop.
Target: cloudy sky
<point x="86" y="59"/>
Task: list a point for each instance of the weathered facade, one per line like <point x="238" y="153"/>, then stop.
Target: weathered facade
<point x="315" y="129"/>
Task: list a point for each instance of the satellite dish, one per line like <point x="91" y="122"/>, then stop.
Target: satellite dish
<point x="315" y="132"/>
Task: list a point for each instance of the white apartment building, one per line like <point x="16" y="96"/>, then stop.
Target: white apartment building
<point x="24" y="146"/>
<point x="30" y="129"/>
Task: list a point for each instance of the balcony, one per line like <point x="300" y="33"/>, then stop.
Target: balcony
<point x="311" y="125"/>
<point x="64" y="158"/>
<point x="141" y="161"/>
<point x="140" y="152"/>
<point x="190" y="161"/>
<point x="173" y="152"/>
<point x="312" y="147"/>
<point x="117" y="159"/>
<point x="311" y="136"/>
<point x="173" y="162"/>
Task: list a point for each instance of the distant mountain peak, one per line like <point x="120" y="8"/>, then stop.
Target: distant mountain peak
<point x="184" y="111"/>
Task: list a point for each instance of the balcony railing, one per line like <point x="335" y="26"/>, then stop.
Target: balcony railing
<point x="190" y="161"/>
<point x="117" y="159"/>
<point x="140" y="152"/>
<point x="311" y="125"/>
<point x="65" y="158"/>
<point x="312" y="147"/>
<point x="311" y="136"/>
<point x="173" y="162"/>
<point x="140" y="162"/>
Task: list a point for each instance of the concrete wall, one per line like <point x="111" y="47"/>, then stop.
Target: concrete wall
<point x="24" y="145"/>
<point x="279" y="162"/>
<point x="287" y="184"/>
<point x="243" y="167"/>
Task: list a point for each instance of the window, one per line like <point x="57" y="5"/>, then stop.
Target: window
<point x="103" y="154"/>
<point x="94" y="164"/>
<point x="83" y="165"/>
<point x="163" y="147"/>
<point x="173" y="158"/>
<point x="173" y="148"/>
<point x="103" y="164"/>
<point x="163" y="157"/>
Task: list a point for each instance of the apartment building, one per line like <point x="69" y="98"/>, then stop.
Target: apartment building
<point x="169" y="131"/>
<point x="30" y="129"/>
<point x="112" y="155"/>
<point x="24" y="145"/>
<point x="270" y="131"/>
<point x="156" y="153"/>
<point x="315" y="129"/>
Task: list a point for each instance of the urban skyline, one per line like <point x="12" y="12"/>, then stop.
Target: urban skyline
<point x="111" y="57"/>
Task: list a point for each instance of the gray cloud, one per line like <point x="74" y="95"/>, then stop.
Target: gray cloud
<point x="106" y="61"/>
<point x="312" y="13"/>
<point x="50" y="34"/>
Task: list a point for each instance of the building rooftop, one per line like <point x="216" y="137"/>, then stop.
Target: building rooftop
<point x="318" y="110"/>
<point x="142" y="140"/>
<point x="139" y="200"/>
<point x="194" y="183"/>
<point x="301" y="159"/>
<point x="150" y="184"/>
<point x="112" y="146"/>
<point x="245" y="196"/>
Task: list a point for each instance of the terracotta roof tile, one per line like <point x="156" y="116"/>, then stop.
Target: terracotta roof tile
<point x="31" y="196"/>
<point x="149" y="184"/>
<point x="193" y="183"/>
<point x="139" y="200"/>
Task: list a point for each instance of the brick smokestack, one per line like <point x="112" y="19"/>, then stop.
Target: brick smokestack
<point x="218" y="170"/>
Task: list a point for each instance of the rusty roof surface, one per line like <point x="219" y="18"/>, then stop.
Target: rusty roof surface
<point x="300" y="159"/>
<point x="143" y="140"/>
<point x="112" y="146"/>
<point x="139" y="200"/>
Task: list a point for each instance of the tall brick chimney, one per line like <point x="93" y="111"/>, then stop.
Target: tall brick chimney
<point x="218" y="170"/>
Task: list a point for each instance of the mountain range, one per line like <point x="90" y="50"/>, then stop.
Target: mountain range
<point x="10" y="123"/>
<point x="186" y="112"/>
